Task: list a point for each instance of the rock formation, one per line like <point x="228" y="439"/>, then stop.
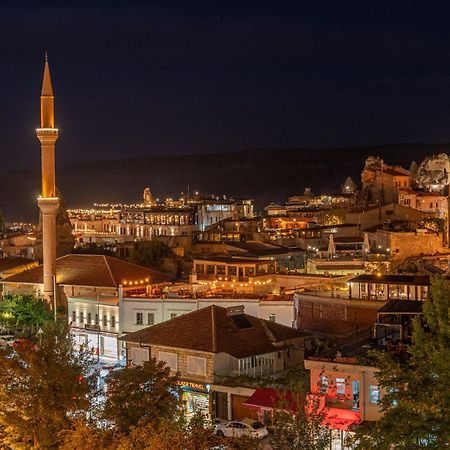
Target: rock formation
<point x="65" y="240"/>
<point x="434" y="173"/>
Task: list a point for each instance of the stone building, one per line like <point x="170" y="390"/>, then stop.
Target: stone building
<point x="210" y="347"/>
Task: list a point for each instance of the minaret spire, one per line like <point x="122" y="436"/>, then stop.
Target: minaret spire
<point x="47" y="98"/>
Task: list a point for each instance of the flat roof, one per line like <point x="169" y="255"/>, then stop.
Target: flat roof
<point x="230" y="260"/>
<point x="402" y="306"/>
<point x="418" y="280"/>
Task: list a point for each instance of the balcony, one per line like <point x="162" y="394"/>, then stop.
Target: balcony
<point x="341" y="402"/>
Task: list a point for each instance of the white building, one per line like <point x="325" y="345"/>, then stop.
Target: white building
<point x="98" y="321"/>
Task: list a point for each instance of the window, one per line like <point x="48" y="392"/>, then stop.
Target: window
<point x="150" y="319"/>
<point x="113" y="321"/>
<point x="138" y="355"/>
<point x="139" y="318"/>
<point x="272" y="317"/>
<point x="323" y="385"/>
<point x="171" y="360"/>
<point x="89" y="318"/>
<point x="81" y="317"/>
<point x="374" y="395"/>
<point x="173" y="315"/>
<point x="96" y="319"/>
<point x="196" y="365"/>
<point x="74" y="316"/>
<point x="340" y="386"/>
<point x="105" y="321"/>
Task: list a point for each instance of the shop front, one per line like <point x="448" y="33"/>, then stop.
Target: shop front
<point x="99" y="342"/>
<point x="196" y="397"/>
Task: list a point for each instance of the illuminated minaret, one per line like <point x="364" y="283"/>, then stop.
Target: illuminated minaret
<point x="48" y="201"/>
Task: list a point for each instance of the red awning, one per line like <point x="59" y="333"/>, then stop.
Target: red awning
<point x="336" y="418"/>
<point x="341" y="419"/>
<point x="269" y="399"/>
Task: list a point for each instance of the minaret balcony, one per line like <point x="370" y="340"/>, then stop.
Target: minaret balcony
<point x="50" y="131"/>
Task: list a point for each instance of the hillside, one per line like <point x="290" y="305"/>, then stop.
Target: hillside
<point x="265" y="175"/>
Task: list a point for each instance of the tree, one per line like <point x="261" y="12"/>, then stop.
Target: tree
<point x="149" y="253"/>
<point x="416" y="403"/>
<point x="177" y="433"/>
<point x="85" y="434"/>
<point x="299" y="423"/>
<point x="143" y="394"/>
<point x="23" y="311"/>
<point x="42" y="387"/>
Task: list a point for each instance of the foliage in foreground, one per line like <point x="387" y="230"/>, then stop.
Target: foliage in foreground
<point x="141" y="394"/>
<point x="41" y="387"/>
<point x="298" y="423"/>
<point x="23" y="311"/>
<point x="416" y="403"/>
<point x="176" y="434"/>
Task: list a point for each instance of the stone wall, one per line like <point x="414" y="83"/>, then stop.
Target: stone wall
<point x="336" y="318"/>
<point x="404" y="245"/>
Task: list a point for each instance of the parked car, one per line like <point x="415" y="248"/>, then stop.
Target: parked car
<point x="7" y="340"/>
<point x="238" y="429"/>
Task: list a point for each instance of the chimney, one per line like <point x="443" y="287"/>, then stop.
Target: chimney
<point x="235" y="310"/>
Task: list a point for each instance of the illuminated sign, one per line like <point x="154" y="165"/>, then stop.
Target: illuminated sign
<point x="189" y="384"/>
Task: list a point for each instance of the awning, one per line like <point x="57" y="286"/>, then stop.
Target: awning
<point x="336" y="418"/>
<point x="270" y="399"/>
<point x="341" y="419"/>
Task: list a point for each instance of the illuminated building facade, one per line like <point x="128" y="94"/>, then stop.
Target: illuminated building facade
<point x="123" y="223"/>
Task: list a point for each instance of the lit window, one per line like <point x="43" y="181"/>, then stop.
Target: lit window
<point x="374" y="395"/>
<point x="340" y="386"/>
<point x="323" y="385"/>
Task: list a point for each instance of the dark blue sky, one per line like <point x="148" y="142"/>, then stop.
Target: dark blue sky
<point x="169" y="77"/>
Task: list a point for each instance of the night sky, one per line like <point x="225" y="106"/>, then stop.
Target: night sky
<point x="168" y="77"/>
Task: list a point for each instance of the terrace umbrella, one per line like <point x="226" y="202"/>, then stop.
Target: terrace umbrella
<point x="331" y="246"/>
<point x="366" y="244"/>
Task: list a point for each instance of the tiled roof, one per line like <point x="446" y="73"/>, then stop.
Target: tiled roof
<point x="91" y="270"/>
<point x="10" y="263"/>
<point x="211" y="330"/>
